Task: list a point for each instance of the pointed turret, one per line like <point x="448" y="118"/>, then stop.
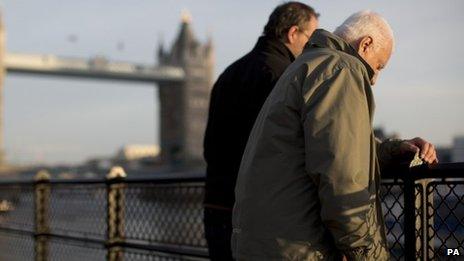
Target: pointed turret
<point x="161" y="52"/>
<point x="186" y="45"/>
<point x="184" y="106"/>
<point x="209" y="49"/>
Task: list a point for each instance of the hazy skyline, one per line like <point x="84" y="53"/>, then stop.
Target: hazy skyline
<point x="52" y="120"/>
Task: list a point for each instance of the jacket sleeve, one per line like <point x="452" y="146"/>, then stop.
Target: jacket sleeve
<point x="388" y="153"/>
<point x="337" y="132"/>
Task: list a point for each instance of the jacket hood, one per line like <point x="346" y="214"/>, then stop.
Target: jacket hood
<point x="324" y="39"/>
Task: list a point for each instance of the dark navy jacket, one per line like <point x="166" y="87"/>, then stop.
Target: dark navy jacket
<point x="236" y="100"/>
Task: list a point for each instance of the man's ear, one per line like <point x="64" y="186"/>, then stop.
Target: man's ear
<point x="365" y="43"/>
<point x="292" y="34"/>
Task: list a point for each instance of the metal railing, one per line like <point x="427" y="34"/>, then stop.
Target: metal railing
<point x="424" y="211"/>
<point x="160" y="218"/>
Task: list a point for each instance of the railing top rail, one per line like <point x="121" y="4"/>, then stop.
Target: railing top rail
<point x="435" y="171"/>
<point x="442" y="171"/>
<point x="164" y="178"/>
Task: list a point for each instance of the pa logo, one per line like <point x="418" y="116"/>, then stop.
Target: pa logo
<point x="452" y="252"/>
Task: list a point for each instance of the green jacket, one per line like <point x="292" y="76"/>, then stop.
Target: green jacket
<point x="308" y="185"/>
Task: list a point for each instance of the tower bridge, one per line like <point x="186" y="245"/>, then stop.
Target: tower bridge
<point x="97" y="67"/>
<point x="184" y="74"/>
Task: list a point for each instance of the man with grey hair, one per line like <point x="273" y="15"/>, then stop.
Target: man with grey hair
<point x="308" y="185"/>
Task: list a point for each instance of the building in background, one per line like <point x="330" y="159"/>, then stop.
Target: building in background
<point x="137" y="152"/>
<point x="457" y="154"/>
<point x="137" y="156"/>
<point x="444" y="154"/>
<point x="184" y="106"/>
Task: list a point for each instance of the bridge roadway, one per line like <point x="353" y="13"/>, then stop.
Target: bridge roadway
<point x="96" y="68"/>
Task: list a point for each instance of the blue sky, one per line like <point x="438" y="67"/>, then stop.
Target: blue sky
<point x="55" y="120"/>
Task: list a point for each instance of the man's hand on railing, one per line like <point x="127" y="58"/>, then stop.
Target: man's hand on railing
<point x="425" y="148"/>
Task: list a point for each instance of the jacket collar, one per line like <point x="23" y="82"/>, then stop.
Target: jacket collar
<point x="274" y="46"/>
<point x="325" y="39"/>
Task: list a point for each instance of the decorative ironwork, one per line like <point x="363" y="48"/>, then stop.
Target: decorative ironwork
<point x="158" y="218"/>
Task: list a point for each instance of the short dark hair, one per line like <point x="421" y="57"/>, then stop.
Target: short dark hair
<point x="287" y="15"/>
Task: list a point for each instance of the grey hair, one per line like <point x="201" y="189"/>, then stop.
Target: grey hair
<point x="366" y="23"/>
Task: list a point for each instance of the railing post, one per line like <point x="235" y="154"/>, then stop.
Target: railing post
<point x="41" y="214"/>
<point x="115" y="213"/>
<point x="422" y="222"/>
<point x="418" y="217"/>
<point x="427" y="220"/>
<point x="409" y="217"/>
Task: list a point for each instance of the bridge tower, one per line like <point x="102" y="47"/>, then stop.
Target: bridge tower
<point x="184" y="106"/>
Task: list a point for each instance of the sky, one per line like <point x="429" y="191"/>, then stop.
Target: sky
<point x="58" y="120"/>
